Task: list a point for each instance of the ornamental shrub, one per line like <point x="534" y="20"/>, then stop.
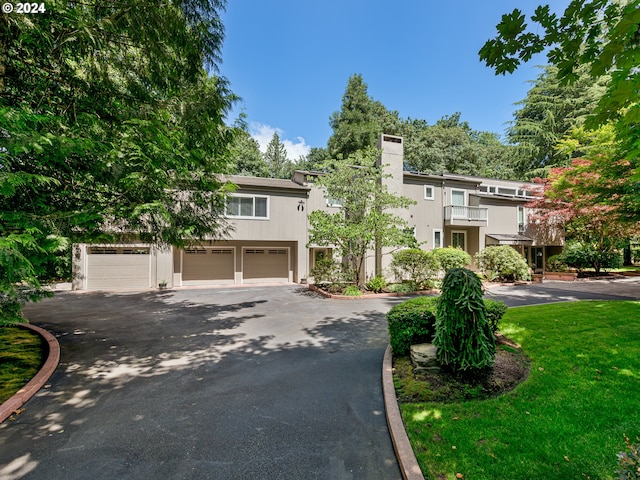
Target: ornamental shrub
<point x="377" y="284"/>
<point x="415" y="265"/>
<point x="411" y="322"/>
<point x="580" y="255"/>
<point x="326" y="270"/>
<point x="502" y="264"/>
<point x="495" y="310"/>
<point x="404" y="287"/>
<point x="555" y="263"/>
<point x="463" y="337"/>
<point x="450" y="257"/>
<point x="352" y="291"/>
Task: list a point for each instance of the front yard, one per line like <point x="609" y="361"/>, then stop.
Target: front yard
<point x="566" y="421"/>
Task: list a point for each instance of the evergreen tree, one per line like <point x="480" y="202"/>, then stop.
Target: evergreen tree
<point x="360" y="121"/>
<point x="548" y="112"/>
<point x="245" y="157"/>
<point x="276" y="158"/>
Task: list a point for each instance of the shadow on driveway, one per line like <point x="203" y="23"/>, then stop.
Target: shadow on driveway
<point x="265" y="382"/>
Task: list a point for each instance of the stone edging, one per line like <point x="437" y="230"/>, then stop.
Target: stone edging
<point x="313" y="288"/>
<point x="37" y="382"/>
<point x="406" y="458"/>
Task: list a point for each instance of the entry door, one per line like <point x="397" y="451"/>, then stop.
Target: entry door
<point x="459" y="240"/>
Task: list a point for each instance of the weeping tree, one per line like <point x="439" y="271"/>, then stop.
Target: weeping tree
<point x="463" y="338"/>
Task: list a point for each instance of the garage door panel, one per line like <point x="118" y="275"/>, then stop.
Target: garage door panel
<point x="208" y="266"/>
<point x="117" y="271"/>
<point x="265" y="265"/>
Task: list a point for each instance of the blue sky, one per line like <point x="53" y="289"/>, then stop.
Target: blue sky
<point x="290" y="61"/>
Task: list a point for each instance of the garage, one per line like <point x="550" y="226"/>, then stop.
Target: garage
<point x="265" y="265"/>
<point x="110" y="268"/>
<point x="208" y="266"/>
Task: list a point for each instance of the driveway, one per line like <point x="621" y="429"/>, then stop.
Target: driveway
<point x="235" y="383"/>
<point x="627" y="288"/>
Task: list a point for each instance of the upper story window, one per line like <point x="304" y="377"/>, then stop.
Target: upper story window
<point x="429" y="192"/>
<point x="334" y="202"/>
<point x="522" y="222"/>
<point x="506" y="191"/>
<point x="248" y="206"/>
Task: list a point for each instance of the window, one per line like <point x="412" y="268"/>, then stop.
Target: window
<point x="458" y="240"/>
<point x="428" y="192"/>
<point x="247" y="206"/>
<point x="458" y="198"/>
<point x="521" y="220"/>
<point x="437" y="239"/>
<point x="334" y="202"/>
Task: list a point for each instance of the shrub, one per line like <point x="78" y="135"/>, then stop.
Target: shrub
<point x="411" y="322"/>
<point x="376" y="284"/>
<point x="450" y="257"/>
<point x="629" y="462"/>
<point x="326" y="270"/>
<point x="416" y="265"/>
<point x="495" y="310"/>
<point x="581" y="255"/>
<point x="404" y="287"/>
<point x="502" y="263"/>
<point x="555" y="263"/>
<point x="463" y="337"/>
<point x="352" y="291"/>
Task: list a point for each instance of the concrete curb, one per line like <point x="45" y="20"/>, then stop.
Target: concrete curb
<point x="9" y="407"/>
<point x="406" y="458"/>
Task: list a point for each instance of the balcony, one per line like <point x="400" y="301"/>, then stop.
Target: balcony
<point x="463" y="216"/>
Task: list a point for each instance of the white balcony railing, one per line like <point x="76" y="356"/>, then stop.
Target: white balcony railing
<point x="472" y="214"/>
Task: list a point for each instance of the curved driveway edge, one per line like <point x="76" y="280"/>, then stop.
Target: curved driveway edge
<point x="36" y="383"/>
<point x="406" y="458"/>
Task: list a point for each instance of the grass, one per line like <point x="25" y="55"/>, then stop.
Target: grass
<point x="566" y="421"/>
<point x="21" y="355"/>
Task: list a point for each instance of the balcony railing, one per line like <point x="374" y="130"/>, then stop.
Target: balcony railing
<point x="471" y="214"/>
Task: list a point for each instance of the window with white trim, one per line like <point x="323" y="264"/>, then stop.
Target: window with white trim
<point x="248" y="206"/>
<point x="429" y="192"/>
<point x="437" y="239"/>
<point x="521" y="220"/>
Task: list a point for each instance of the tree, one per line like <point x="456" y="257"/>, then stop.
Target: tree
<point x="110" y="128"/>
<point x="452" y="146"/>
<point x="276" y="158"/>
<point x="364" y="220"/>
<point x="548" y="112"/>
<point x="245" y="157"/>
<point x="602" y="35"/>
<point x="360" y="121"/>
<point x="570" y="195"/>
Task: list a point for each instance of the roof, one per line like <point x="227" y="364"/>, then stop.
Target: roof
<point x="510" y="239"/>
<point x="260" y="182"/>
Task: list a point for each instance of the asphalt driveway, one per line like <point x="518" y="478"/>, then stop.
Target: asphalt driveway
<point x="238" y="383"/>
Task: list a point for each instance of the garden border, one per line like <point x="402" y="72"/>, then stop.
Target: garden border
<point x="12" y="405"/>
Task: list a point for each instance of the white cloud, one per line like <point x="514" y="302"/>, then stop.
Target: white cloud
<point x="263" y="134"/>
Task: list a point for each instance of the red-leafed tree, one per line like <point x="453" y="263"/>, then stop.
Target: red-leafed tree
<point x="585" y="199"/>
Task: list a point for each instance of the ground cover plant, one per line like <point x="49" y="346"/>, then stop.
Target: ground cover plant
<point x="567" y="420"/>
<point x="21" y="355"/>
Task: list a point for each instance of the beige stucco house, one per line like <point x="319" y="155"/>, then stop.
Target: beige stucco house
<point x="269" y="241"/>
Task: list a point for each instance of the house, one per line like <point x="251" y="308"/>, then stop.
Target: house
<point x="270" y="237"/>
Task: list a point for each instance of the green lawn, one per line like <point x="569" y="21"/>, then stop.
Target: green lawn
<point x="21" y="355"/>
<point x="566" y="421"/>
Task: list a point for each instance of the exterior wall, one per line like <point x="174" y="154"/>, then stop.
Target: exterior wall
<point x="290" y="203"/>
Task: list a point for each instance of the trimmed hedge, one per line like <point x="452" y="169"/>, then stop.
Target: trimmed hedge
<point x="411" y="322"/>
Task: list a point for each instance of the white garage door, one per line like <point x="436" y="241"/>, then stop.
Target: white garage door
<point x="117" y="268"/>
<point x="265" y="265"/>
<point x="208" y="266"/>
